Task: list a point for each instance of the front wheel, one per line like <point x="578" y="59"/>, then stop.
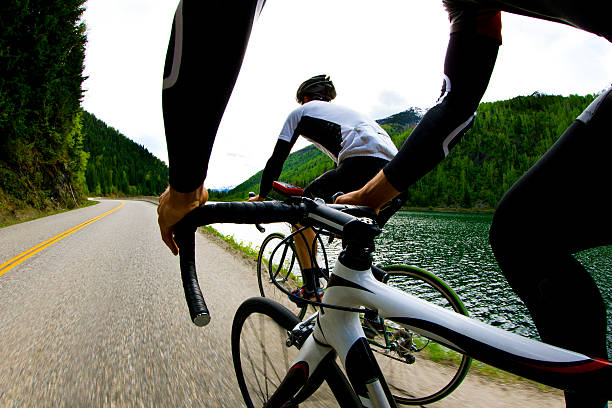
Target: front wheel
<point x="419" y="370"/>
<point x="261" y="355"/>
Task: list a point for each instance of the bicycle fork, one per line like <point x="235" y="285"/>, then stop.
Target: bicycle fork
<point x="355" y="354"/>
<point x="316" y="363"/>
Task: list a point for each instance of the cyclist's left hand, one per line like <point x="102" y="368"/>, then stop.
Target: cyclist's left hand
<point x="173" y="206"/>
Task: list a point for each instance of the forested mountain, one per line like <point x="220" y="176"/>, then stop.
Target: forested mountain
<point x="401" y="122"/>
<point x="45" y="137"/>
<point x="42" y="49"/>
<point x="118" y="165"/>
<point x="507" y="138"/>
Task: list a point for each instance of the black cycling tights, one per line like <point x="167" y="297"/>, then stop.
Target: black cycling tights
<point x="205" y="52"/>
<point x="559" y="207"/>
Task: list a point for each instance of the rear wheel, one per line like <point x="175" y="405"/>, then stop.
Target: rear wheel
<point x="418" y="370"/>
<point x="277" y="261"/>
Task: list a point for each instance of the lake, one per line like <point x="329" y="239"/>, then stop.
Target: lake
<point x="455" y="247"/>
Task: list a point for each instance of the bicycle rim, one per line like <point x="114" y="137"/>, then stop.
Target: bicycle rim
<point x="282" y="265"/>
<point x="419" y="371"/>
<point x="261" y="357"/>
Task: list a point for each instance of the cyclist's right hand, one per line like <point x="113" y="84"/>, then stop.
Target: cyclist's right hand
<point x="374" y="194"/>
<point x="256" y="198"/>
<point x="173" y="206"/>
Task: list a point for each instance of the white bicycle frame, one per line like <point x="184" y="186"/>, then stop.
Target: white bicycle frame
<point x="340" y="330"/>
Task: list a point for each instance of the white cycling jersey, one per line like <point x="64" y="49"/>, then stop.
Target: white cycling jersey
<point x="338" y="131"/>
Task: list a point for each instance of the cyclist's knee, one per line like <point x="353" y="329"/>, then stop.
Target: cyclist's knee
<point x="505" y="231"/>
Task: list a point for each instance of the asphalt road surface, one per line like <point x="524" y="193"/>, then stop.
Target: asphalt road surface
<point x="92" y="314"/>
<point x="99" y="318"/>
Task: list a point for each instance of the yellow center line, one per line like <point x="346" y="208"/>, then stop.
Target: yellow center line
<point x="11" y="263"/>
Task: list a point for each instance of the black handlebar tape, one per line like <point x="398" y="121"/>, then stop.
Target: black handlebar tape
<point x="334" y="220"/>
<point x="185" y="239"/>
<point x="258" y="212"/>
<point x="184" y="236"/>
<point x="242" y="213"/>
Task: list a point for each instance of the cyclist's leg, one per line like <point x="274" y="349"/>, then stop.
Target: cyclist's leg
<point x="205" y="52"/>
<point x="558" y="208"/>
<point x="304" y="240"/>
<point x="351" y="174"/>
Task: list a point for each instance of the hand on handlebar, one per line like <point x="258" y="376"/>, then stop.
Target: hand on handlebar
<point x="374" y="194"/>
<point x="256" y="198"/>
<point x="173" y="206"/>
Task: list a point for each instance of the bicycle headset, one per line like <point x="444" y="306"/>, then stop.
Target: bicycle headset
<point x="319" y="87"/>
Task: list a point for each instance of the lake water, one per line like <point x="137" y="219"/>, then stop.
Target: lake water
<point x="455" y="247"/>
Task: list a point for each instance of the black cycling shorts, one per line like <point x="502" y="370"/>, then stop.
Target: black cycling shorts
<point x="350" y="175"/>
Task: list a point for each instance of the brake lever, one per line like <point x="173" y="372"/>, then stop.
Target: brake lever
<point x="258" y="226"/>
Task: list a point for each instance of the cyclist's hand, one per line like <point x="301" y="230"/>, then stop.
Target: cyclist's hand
<point x="374" y="194"/>
<point x="256" y="198"/>
<point x="172" y="207"/>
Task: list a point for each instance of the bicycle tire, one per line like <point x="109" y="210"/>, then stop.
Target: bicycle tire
<point x="284" y="268"/>
<point x="260" y="355"/>
<point x="436" y="370"/>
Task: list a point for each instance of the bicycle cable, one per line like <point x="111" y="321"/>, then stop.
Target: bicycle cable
<point x="294" y="297"/>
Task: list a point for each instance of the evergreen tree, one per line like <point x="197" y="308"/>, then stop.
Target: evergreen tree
<point x="42" y="48"/>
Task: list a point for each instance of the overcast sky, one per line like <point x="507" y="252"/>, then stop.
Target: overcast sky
<point x="384" y="56"/>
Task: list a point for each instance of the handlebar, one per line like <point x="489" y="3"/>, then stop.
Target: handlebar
<point x="334" y="217"/>
<point x="258" y="226"/>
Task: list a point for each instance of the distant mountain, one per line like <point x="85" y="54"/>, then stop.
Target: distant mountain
<point x="222" y="189"/>
<point x="400" y="122"/>
<point x="117" y="165"/>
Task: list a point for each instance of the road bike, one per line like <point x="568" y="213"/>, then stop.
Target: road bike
<point x="279" y="271"/>
<point x="283" y="362"/>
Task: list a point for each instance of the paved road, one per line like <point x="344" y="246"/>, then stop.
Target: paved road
<point x="99" y="318"/>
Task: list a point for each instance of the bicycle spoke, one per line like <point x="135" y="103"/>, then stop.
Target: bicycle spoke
<point x="266" y="361"/>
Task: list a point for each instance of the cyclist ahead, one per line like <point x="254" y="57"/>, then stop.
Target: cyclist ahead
<point x="558" y="207"/>
<point x="358" y="146"/>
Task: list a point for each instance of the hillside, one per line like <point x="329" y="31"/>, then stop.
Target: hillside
<point x="507" y="138"/>
<point x="117" y="165"/>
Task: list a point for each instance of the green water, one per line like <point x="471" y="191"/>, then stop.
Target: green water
<point x="455" y="247"/>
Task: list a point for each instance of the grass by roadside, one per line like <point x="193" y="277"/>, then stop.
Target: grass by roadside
<point x="246" y="251"/>
<point x="11" y="216"/>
